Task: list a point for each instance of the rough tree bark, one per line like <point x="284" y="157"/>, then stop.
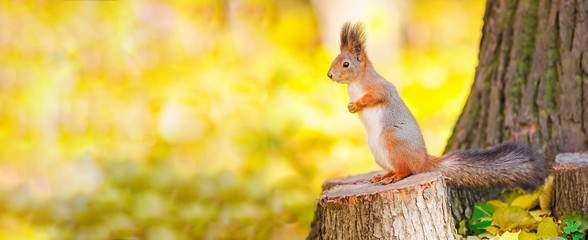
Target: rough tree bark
<point x="531" y="84"/>
<point x="570" y="189"/>
<point x="354" y="208"/>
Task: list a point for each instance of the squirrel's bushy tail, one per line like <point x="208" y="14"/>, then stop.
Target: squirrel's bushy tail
<point x="510" y="164"/>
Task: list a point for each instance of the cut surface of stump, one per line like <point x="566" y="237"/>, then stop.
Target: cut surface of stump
<point x="412" y="208"/>
<point x="570" y="186"/>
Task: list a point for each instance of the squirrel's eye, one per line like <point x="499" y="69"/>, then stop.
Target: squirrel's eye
<point x="346" y="64"/>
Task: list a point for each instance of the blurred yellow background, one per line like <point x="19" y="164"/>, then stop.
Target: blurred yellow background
<point x="204" y="119"/>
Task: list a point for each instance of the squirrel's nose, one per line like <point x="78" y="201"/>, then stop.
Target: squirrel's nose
<point x="330" y="75"/>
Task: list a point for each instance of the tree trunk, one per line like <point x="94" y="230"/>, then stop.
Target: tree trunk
<point x="531" y="84"/>
<point x="570" y="189"/>
<point x="413" y="208"/>
<point x="462" y="200"/>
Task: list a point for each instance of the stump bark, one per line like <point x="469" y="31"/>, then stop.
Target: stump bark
<point x="413" y="208"/>
<point x="531" y="84"/>
<point x="570" y="187"/>
<point x="462" y="200"/>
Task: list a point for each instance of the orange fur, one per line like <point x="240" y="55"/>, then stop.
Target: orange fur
<point x="403" y="161"/>
<point x="395" y="138"/>
<point x="368" y="100"/>
<point x="401" y="155"/>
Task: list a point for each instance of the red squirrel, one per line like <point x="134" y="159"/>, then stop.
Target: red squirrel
<point x="396" y="141"/>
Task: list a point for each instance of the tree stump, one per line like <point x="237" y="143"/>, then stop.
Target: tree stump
<point x="414" y="208"/>
<point x="570" y="187"/>
<point x="462" y="200"/>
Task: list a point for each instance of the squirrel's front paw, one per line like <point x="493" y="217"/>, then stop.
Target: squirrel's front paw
<point x="353" y="108"/>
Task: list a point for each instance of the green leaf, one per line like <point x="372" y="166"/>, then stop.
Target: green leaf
<point x="545" y="196"/>
<point x="479" y="226"/>
<point x="566" y="229"/>
<point x="577" y="217"/>
<point x="574" y="227"/>
<point x="568" y="221"/>
<point x="482" y="210"/>
<point x="577" y="235"/>
<point x="547" y="228"/>
<point x="571" y="226"/>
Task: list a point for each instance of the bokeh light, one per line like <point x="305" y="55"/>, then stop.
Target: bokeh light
<point x="203" y="119"/>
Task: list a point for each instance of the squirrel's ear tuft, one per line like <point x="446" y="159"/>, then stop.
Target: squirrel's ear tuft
<point x="353" y="39"/>
<point x="345" y="36"/>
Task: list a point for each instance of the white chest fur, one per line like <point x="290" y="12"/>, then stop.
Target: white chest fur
<point x="372" y="118"/>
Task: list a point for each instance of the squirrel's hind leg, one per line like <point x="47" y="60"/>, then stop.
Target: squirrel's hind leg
<point x="401" y="170"/>
<point x="389" y="177"/>
<point x="377" y="178"/>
